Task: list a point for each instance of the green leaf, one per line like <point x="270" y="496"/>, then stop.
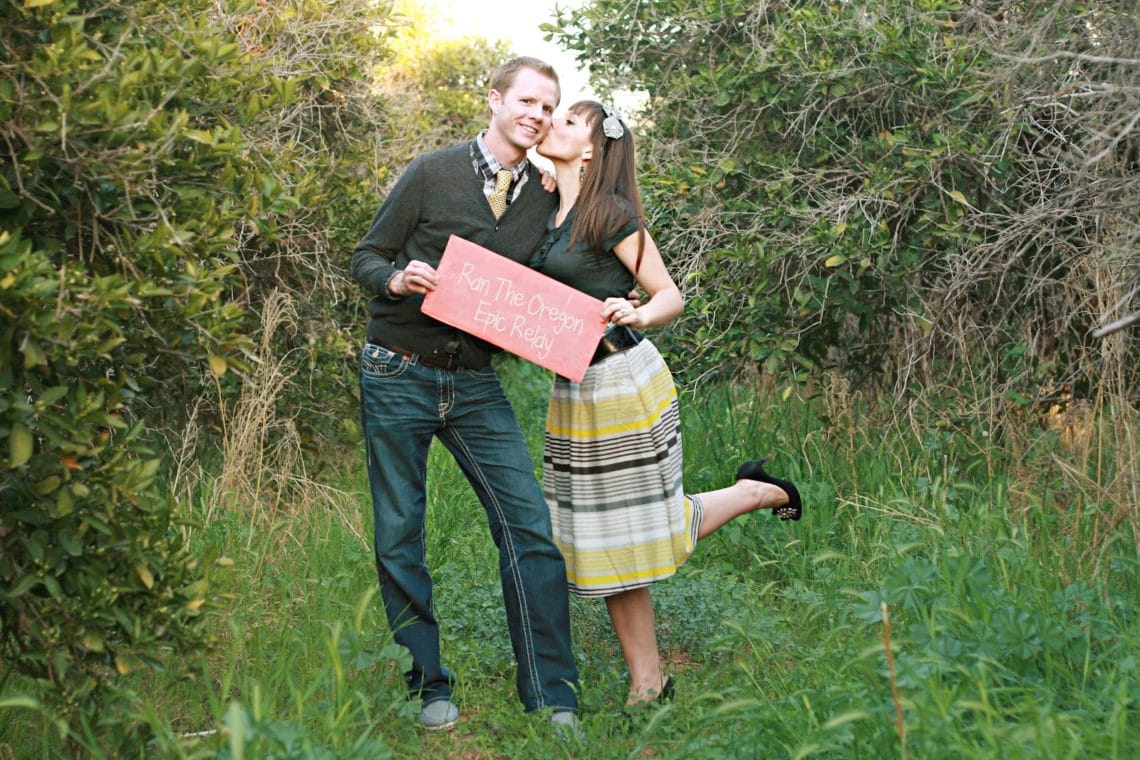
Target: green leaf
<point x="218" y="365"/>
<point x="64" y="503"/>
<point x="27" y="702"/>
<point x="125" y="663"/>
<point x="71" y="542"/>
<point x="144" y="573"/>
<point x="47" y="485"/>
<point x="31" y="517"/>
<point x="52" y="585"/>
<point x="23" y="585"/>
<point x="149" y="468"/>
<point x="847" y="717"/>
<point x="51" y="395"/>
<point x="19" y="446"/>
<point x="199" y="136"/>
<point x="33" y="354"/>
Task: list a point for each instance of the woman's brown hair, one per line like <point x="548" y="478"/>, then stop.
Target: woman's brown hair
<point x="609" y="196"/>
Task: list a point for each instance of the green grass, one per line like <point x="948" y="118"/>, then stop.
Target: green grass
<point x="1009" y="576"/>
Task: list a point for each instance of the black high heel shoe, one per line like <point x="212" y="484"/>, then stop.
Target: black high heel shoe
<point x="668" y="691"/>
<point x="793" y="510"/>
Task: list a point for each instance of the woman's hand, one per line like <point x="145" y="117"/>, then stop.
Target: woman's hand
<point x="620" y="311"/>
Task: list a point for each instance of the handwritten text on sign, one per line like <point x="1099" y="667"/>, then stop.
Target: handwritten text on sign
<point x="515" y="308"/>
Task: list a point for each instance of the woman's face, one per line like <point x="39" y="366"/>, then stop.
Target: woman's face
<point x="568" y="137"/>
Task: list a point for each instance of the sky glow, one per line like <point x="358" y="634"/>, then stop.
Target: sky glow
<point x="515" y="21"/>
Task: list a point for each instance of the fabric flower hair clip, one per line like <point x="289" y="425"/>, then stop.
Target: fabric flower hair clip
<point x="611" y="125"/>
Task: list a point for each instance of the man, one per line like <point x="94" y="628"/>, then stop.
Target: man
<point x="421" y="379"/>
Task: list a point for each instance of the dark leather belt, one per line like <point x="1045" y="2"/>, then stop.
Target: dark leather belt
<point x="615" y="339"/>
<point x="439" y="361"/>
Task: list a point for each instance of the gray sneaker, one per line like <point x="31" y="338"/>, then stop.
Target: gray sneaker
<point x="439" y="715"/>
<point x="565" y="724"/>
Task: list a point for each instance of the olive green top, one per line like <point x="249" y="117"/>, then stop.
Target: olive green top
<point x="600" y="274"/>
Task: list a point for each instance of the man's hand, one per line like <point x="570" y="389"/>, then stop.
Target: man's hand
<point x="416" y="277"/>
<point x="549" y="181"/>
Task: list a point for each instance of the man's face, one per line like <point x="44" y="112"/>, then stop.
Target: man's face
<point x="521" y="115"/>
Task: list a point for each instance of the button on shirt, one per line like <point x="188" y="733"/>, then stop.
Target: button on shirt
<point x="487" y="166"/>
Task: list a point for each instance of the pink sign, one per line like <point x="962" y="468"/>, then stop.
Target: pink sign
<point x="516" y="308"/>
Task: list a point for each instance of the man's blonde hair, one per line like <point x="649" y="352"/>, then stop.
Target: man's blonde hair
<point x="504" y="75"/>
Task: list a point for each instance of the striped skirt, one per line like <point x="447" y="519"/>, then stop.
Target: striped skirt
<point x="612" y="475"/>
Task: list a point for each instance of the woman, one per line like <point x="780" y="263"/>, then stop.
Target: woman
<point x="612" y="462"/>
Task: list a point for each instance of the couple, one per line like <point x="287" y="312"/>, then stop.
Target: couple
<point x="611" y="516"/>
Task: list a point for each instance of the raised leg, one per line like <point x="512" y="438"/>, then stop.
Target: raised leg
<point x="743" y="496"/>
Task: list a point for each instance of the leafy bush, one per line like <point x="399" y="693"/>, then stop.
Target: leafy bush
<point x="125" y="180"/>
<point x="892" y="188"/>
<point x="120" y="198"/>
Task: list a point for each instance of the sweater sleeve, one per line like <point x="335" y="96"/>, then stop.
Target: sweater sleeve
<point x="378" y="256"/>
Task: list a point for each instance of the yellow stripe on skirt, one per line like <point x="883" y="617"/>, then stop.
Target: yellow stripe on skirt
<point x="612" y="475"/>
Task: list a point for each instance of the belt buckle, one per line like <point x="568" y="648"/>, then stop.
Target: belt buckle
<point x="440" y="360"/>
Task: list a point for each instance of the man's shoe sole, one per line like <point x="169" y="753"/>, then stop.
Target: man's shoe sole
<point x="446" y="723"/>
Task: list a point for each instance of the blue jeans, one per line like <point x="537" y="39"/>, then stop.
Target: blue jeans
<point x="405" y="404"/>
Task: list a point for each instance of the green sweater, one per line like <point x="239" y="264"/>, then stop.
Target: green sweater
<point x="440" y="195"/>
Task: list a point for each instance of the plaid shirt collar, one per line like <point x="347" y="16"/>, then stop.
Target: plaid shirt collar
<point x="486" y="165"/>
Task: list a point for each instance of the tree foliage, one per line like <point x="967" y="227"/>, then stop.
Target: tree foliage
<point x="898" y="189"/>
<point x="161" y="167"/>
<point x="436" y="88"/>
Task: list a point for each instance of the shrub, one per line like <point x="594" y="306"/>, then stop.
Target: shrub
<point x="893" y="188"/>
<point x="122" y="187"/>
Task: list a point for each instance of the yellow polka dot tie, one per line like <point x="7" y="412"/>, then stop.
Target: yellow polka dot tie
<point x="498" y="198"/>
